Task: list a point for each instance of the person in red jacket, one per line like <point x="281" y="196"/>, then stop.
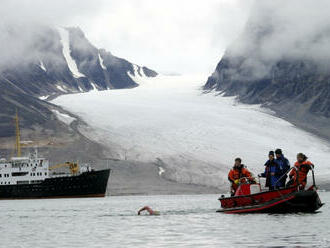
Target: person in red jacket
<point x="236" y="174"/>
<point x="298" y="176"/>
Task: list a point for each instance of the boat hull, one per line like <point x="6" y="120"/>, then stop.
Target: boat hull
<point x="87" y="184"/>
<point x="287" y="201"/>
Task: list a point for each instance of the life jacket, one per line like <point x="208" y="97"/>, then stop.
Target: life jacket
<point x="299" y="175"/>
<point x="236" y="173"/>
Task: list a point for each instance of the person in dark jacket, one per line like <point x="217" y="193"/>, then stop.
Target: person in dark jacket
<point x="284" y="166"/>
<point x="272" y="172"/>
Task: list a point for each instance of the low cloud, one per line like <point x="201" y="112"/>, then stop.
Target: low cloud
<point x="25" y="27"/>
<point x="281" y="29"/>
<point x="170" y="36"/>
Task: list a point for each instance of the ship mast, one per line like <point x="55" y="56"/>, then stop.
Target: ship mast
<point x="18" y="136"/>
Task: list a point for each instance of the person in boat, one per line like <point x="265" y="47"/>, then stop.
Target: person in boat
<point x="298" y="176"/>
<point x="149" y="210"/>
<point x="272" y="172"/>
<point x="236" y="175"/>
<point x="284" y="166"/>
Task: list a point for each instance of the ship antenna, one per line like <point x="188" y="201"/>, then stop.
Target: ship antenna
<point x="18" y="136"/>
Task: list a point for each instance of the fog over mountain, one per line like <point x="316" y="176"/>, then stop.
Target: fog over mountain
<point x="281" y="60"/>
<point x="41" y="62"/>
<point x="145" y="31"/>
<point x="32" y="64"/>
<point x="284" y="30"/>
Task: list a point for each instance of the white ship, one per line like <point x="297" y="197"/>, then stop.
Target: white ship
<point x="23" y="177"/>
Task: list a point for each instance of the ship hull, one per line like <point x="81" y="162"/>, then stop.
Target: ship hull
<point x="87" y="184"/>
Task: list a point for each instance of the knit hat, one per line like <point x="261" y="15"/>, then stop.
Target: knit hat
<point x="278" y="151"/>
<point x="271" y="153"/>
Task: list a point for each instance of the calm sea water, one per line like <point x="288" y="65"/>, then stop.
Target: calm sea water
<point x="185" y="221"/>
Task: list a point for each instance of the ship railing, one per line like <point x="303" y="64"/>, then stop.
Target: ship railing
<point x="64" y="175"/>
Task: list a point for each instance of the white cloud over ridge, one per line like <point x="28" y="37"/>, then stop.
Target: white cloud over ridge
<point x="283" y="30"/>
<point x="169" y="36"/>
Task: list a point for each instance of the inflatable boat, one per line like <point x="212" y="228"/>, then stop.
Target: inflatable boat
<point x="249" y="198"/>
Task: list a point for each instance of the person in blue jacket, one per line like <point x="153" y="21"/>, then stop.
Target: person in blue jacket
<point x="284" y="165"/>
<point x="272" y="172"/>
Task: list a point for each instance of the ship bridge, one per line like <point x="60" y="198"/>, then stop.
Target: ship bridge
<point x="23" y="170"/>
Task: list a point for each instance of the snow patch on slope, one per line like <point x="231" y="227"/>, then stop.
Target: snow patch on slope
<point x="161" y="170"/>
<point x="142" y="72"/>
<point x="94" y="86"/>
<point x="135" y="71"/>
<point x="196" y="136"/>
<point x="43" y="97"/>
<point x="61" y="88"/>
<point x="138" y="75"/>
<point x="42" y="66"/>
<point x="67" y="119"/>
<point x="101" y="63"/>
<point x="65" y="40"/>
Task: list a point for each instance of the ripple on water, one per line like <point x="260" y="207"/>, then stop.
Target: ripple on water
<point x="188" y="221"/>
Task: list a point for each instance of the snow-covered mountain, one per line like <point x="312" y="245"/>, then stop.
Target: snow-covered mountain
<point x="192" y="137"/>
<point x="55" y="61"/>
<point x="281" y="62"/>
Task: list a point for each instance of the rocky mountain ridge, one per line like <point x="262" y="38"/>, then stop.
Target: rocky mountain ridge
<point x="58" y="61"/>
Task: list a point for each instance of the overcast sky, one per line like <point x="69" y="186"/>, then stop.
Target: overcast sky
<point x="166" y="35"/>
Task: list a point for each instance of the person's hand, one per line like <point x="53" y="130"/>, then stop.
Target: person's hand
<point x="272" y="174"/>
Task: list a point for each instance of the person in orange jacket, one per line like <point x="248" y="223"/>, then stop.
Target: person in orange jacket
<point x="236" y="174"/>
<point x="298" y="176"/>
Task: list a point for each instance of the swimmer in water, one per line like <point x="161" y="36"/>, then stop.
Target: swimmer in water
<point x="149" y="210"/>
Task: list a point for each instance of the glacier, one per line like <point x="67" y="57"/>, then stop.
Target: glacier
<point x="193" y="137"/>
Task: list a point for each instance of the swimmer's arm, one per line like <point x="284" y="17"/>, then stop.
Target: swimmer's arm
<point x="141" y="210"/>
